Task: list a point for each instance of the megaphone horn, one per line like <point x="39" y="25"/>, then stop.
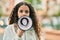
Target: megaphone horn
<point x="24" y="23"/>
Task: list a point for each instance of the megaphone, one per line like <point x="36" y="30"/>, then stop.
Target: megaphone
<point x="25" y="23"/>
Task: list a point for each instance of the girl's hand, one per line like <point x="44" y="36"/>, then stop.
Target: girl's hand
<point x="20" y="33"/>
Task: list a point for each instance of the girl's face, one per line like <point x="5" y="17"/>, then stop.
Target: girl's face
<point x="23" y="11"/>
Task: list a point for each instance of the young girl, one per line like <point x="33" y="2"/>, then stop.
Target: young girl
<point x="12" y="32"/>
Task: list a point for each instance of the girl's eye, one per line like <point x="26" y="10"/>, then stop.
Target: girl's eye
<point x="21" y="11"/>
<point x="26" y="11"/>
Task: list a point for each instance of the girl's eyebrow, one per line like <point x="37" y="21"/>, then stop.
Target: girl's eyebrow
<point x="27" y="10"/>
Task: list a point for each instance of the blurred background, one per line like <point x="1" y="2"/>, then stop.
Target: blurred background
<point x="47" y="11"/>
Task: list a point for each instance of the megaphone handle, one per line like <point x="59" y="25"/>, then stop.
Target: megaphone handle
<point x="20" y="32"/>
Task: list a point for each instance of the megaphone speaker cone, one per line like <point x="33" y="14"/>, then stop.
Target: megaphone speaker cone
<point x="25" y="23"/>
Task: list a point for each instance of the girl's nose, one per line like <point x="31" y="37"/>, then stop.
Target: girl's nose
<point x="24" y="14"/>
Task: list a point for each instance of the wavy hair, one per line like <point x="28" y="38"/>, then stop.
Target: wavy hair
<point x="14" y="17"/>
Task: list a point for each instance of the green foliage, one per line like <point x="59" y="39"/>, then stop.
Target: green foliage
<point x="57" y="14"/>
<point x="38" y="1"/>
<point x="58" y="27"/>
<point x="1" y="12"/>
<point x="30" y="1"/>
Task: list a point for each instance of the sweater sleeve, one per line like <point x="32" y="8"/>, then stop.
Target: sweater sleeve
<point x="9" y="34"/>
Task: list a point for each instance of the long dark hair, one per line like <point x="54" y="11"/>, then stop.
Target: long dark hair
<point x="14" y="18"/>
